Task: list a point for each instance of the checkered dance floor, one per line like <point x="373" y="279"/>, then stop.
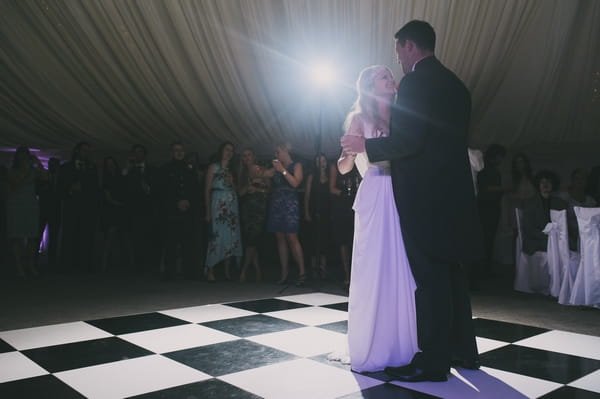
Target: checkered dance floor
<point x="272" y="348"/>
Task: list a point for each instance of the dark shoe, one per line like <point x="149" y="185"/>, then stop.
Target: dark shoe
<point x="401" y="370"/>
<point x="419" y="375"/>
<point x="301" y="280"/>
<point x="466" y="364"/>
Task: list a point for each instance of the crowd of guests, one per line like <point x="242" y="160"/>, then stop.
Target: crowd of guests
<point x="201" y="221"/>
<point x="535" y="193"/>
<point x="179" y="218"/>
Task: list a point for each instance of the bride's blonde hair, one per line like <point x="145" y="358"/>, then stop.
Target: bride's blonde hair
<point x="365" y="103"/>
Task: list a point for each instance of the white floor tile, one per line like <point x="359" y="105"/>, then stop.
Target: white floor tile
<point x="305" y="342"/>
<point x="486" y="344"/>
<point x="311" y="316"/>
<point x="300" y="379"/>
<point x="130" y="377"/>
<point x="16" y="366"/>
<point x="202" y="314"/>
<point x="170" y="339"/>
<point x="57" y="334"/>
<point x="565" y="342"/>
<point x="590" y="382"/>
<point x="315" y="299"/>
<point x="528" y="386"/>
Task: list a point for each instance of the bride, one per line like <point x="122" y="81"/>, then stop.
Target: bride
<point x="381" y="314"/>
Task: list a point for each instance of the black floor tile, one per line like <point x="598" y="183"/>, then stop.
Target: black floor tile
<point x="136" y="323"/>
<point x="209" y="389"/>
<point x="551" y="366"/>
<point x="338" y="306"/>
<point x="338" y="326"/>
<point x="5" y="347"/>
<point x="503" y="331"/>
<point x="252" y="325"/>
<point x="388" y="391"/>
<point x="266" y="305"/>
<point x="83" y="354"/>
<point x="566" y="392"/>
<point x="229" y="357"/>
<point x="43" y="387"/>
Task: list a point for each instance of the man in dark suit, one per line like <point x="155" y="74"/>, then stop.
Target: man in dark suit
<point x="141" y="206"/>
<point x="435" y="197"/>
<point x="180" y="195"/>
<point x="78" y="180"/>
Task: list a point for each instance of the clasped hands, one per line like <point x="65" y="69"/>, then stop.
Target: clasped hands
<point x="352" y="145"/>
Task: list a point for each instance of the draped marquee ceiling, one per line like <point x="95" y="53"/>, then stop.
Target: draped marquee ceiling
<point x="118" y="72"/>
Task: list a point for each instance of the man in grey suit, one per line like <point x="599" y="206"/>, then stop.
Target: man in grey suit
<point x="436" y="203"/>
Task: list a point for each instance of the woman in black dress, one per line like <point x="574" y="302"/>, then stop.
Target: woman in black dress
<point x="253" y="187"/>
<point x="317" y="215"/>
<point x="343" y="189"/>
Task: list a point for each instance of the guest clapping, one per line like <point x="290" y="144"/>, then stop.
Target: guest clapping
<point x="284" y="210"/>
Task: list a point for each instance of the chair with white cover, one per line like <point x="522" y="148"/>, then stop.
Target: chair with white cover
<point x="557" y="241"/>
<point x="531" y="271"/>
<point x="586" y="288"/>
<point x="562" y="262"/>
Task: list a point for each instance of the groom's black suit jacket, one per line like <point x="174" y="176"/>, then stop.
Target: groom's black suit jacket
<point x="431" y="174"/>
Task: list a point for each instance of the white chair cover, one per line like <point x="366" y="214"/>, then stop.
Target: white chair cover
<point x="558" y="246"/>
<point x="586" y="288"/>
<point x="531" y="271"/>
<point x="569" y="259"/>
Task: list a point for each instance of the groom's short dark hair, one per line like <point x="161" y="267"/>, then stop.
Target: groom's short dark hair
<point x="419" y="32"/>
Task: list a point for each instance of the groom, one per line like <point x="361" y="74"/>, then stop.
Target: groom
<point x="435" y="198"/>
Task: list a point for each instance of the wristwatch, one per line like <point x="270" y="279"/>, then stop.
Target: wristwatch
<point x="284" y="172"/>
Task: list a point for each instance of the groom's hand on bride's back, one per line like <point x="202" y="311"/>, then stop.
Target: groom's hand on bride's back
<point x="352" y="144"/>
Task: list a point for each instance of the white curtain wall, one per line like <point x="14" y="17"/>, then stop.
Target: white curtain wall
<point x="118" y="72"/>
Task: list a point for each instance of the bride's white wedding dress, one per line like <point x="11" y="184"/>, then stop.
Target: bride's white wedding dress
<point x="381" y="314"/>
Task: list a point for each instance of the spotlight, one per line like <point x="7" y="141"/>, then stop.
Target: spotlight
<point x="322" y="74"/>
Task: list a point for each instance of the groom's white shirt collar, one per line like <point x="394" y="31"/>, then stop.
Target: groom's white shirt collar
<point x="419" y="60"/>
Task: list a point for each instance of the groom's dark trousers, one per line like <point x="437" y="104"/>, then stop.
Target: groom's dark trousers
<point x="434" y="194"/>
<point x="444" y="324"/>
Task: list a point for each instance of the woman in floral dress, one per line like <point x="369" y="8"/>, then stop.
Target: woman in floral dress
<point x="222" y="213"/>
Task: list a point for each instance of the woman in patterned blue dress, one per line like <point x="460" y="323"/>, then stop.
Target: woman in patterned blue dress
<point x="284" y="210"/>
<point x="222" y="213"/>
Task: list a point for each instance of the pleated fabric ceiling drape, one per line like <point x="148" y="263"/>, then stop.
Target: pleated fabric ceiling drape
<point x="117" y="72"/>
